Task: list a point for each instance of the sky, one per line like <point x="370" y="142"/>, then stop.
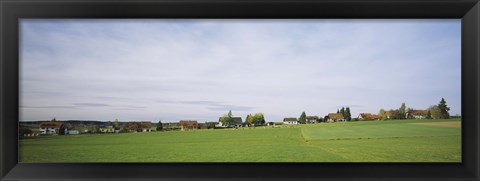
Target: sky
<point x="171" y="70"/>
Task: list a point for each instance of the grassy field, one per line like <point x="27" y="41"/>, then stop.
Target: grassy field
<point x="364" y="141"/>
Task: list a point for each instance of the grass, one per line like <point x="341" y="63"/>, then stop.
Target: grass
<point x="365" y="141"/>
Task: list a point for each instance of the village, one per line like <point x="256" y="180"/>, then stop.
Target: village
<point x="247" y="138"/>
<point x="57" y="127"/>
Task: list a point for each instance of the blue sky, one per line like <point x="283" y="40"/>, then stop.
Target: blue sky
<point x="200" y="69"/>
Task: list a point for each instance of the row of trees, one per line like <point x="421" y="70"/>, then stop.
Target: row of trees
<point x="345" y="113"/>
<point x="255" y="119"/>
<point x="400" y="113"/>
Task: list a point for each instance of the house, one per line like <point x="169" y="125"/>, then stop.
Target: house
<point x="234" y="123"/>
<point x="368" y="116"/>
<point x="311" y="119"/>
<point x="107" y="129"/>
<point x="51" y="127"/>
<point x="290" y="121"/>
<point x="146" y="126"/>
<point x="419" y="114"/>
<point x="142" y="126"/>
<point x="188" y="125"/>
<point x="333" y="117"/>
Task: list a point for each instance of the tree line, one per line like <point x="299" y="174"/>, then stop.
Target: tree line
<point x="439" y="111"/>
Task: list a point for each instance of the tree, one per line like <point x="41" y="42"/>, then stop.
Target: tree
<point x="210" y="125"/>
<point x="435" y="112"/>
<point x="429" y="114"/>
<point x="402" y="111"/>
<point x="319" y="120"/>
<point x="159" y="125"/>
<point x="303" y="118"/>
<point x="348" y="115"/>
<point x="444" y="109"/>
<point x="338" y="111"/>
<point x="124" y="129"/>
<point x="115" y="123"/>
<point x="54" y="119"/>
<point x="383" y="114"/>
<point x="396" y="114"/>
<point x="61" y="130"/>
<point x="258" y="119"/>
<point x="249" y="119"/>
<point x="226" y="119"/>
<point x="342" y="111"/>
<point x="410" y="113"/>
<point x="325" y="119"/>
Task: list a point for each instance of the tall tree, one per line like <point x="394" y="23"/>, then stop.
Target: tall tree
<point x="303" y="118"/>
<point x="402" y="111"/>
<point x="159" y="125"/>
<point x="342" y="111"/>
<point x="229" y="117"/>
<point x="338" y="111"/>
<point x="444" y="109"/>
<point x="348" y="115"/>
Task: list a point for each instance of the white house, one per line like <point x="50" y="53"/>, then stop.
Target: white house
<point x="290" y="121"/>
<point x="50" y="127"/>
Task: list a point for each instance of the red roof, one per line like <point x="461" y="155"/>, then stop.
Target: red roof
<point x="369" y="116"/>
<point x="188" y="123"/>
<point x="420" y="112"/>
<point x="51" y="124"/>
<point x="335" y="116"/>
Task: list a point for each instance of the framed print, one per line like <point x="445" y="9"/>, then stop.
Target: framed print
<point x="239" y="90"/>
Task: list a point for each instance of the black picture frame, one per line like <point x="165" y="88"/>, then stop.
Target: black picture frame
<point x="13" y="10"/>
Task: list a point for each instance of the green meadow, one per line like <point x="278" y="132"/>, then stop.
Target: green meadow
<point x="362" y="141"/>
